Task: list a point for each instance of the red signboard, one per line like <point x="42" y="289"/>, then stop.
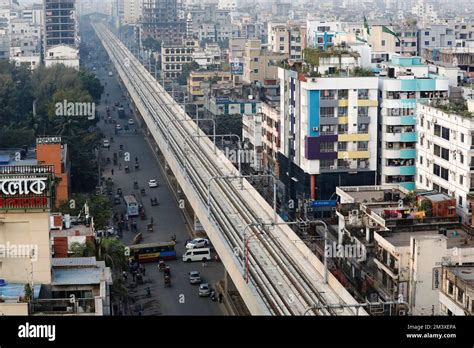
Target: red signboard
<point x="26" y="203"/>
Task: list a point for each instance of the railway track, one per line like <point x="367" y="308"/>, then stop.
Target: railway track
<point x="283" y="285"/>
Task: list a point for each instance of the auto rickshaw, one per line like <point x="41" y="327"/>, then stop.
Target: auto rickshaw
<point x="167" y="281"/>
<point x="116" y="200"/>
<point x="150" y="227"/>
<point x="142" y="191"/>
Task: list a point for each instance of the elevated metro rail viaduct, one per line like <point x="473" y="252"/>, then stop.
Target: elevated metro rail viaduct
<point x="285" y="276"/>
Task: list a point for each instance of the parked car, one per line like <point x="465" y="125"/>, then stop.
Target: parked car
<point x="194" y="277"/>
<point x="106" y="143"/>
<point x="198" y="243"/>
<point x="204" y="290"/>
<point x="152" y="183"/>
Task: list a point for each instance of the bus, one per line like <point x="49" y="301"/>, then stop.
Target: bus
<point x="153" y="252"/>
<point x="131" y="205"/>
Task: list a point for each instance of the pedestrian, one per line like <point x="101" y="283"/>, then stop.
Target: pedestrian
<point x="143" y="270"/>
<point x="120" y="166"/>
<point x="203" y="262"/>
<point x="112" y="171"/>
<point x="124" y="275"/>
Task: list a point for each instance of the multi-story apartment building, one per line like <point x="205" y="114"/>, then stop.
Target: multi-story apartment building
<point x="456" y="296"/>
<point x="259" y="62"/>
<point x="25" y="45"/>
<point x="462" y="57"/>
<point x="287" y="38"/>
<point x="5" y="17"/>
<point x="270" y="137"/>
<point x="161" y="21"/>
<point x="132" y="11"/>
<point x="444" y="153"/>
<point x="436" y="36"/>
<point x="209" y="56"/>
<point x="407" y="243"/>
<point x="320" y="34"/>
<point x="174" y="56"/>
<point x="407" y="81"/>
<point x="328" y="127"/>
<point x="61" y="33"/>
<point x="201" y="83"/>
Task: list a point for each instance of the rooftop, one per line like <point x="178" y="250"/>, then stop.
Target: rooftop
<point x="465" y="273"/>
<point x="79" y="276"/>
<point x="451" y="106"/>
<point x="456" y="237"/>
<point x="16" y="290"/>
<point x="361" y="194"/>
<point x="74" y="262"/>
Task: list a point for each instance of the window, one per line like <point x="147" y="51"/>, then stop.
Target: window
<point x="255" y="59"/>
<point x="326" y="164"/>
<point x="363" y="111"/>
<point x="362" y="145"/>
<point x="342" y="146"/>
<point x="427" y="43"/>
<point x="460" y="201"/>
<point x="460" y="295"/>
<point x="421" y="160"/>
<point x="445" y="133"/>
<point x="342" y="128"/>
<point x="342" y="111"/>
<point x="363" y="127"/>
<point x="327" y="112"/>
<point x="462" y="137"/>
<point x="383" y="42"/>
<point x="420" y="179"/>
<point x="450" y="288"/>
<point x="255" y="71"/>
<point x="342" y="94"/>
<point x="327" y="147"/>
<point x="363" y="94"/>
<point x="282" y="39"/>
<point x="461" y="158"/>
<point x="282" y="48"/>
<point x="436" y="169"/>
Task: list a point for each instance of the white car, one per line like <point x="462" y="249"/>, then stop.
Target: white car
<point x="131" y="122"/>
<point x="204" y="290"/>
<point x="194" y="277"/>
<point x="106" y="143"/>
<point x="152" y="183"/>
<point x="118" y="126"/>
<point x="197" y="243"/>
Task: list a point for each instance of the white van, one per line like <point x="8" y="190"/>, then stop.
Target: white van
<point x="110" y="73"/>
<point x="199" y="254"/>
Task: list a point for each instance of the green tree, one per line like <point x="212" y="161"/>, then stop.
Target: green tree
<point x="187" y="68"/>
<point x="77" y="249"/>
<point x="427" y="207"/>
<point x="229" y="124"/>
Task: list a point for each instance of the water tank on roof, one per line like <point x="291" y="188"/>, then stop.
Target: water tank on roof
<point x="3" y="282"/>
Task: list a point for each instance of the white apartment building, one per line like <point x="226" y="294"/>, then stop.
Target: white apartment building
<point x="287" y="38"/>
<point x="407" y="82"/>
<point x="209" y="56"/>
<point x="174" y="56"/>
<point x="409" y="264"/>
<point x="445" y="156"/>
<point x="330" y="133"/>
<point x="229" y="5"/>
<point x="25" y="45"/>
<point x="132" y="11"/>
<point x="270" y="137"/>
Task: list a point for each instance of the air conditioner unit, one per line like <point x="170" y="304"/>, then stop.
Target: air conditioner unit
<point x="332" y="167"/>
<point x="315" y="129"/>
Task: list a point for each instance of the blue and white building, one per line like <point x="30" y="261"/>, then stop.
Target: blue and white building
<point x="407" y="81"/>
<point x="320" y="34"/>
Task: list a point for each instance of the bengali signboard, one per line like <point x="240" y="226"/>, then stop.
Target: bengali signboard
<point x="26" y="187"/>
<point x="236" y="67"/>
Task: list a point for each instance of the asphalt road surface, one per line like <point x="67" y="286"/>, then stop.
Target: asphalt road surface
<point x="181" y="298"/>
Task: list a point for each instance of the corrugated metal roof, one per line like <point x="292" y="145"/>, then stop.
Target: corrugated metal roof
<point x="15" y="290"/>
<point x="78" y="276"/>
<point x="74" y="262"/>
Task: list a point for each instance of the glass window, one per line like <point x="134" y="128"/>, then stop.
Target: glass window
<point x="363" y="94"/>
<point x="327" y="147"/>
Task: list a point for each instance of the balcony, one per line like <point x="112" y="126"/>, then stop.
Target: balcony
<point x="63" y="306"/>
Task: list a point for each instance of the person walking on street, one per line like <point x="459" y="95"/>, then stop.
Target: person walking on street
<point x="120" y="166"/>
<point x="203" y="262"/>
<point x="112" y="171"/>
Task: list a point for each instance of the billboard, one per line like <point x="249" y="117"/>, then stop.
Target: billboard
<point x="26" y="187"/>
<point x="236" y="67"/>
